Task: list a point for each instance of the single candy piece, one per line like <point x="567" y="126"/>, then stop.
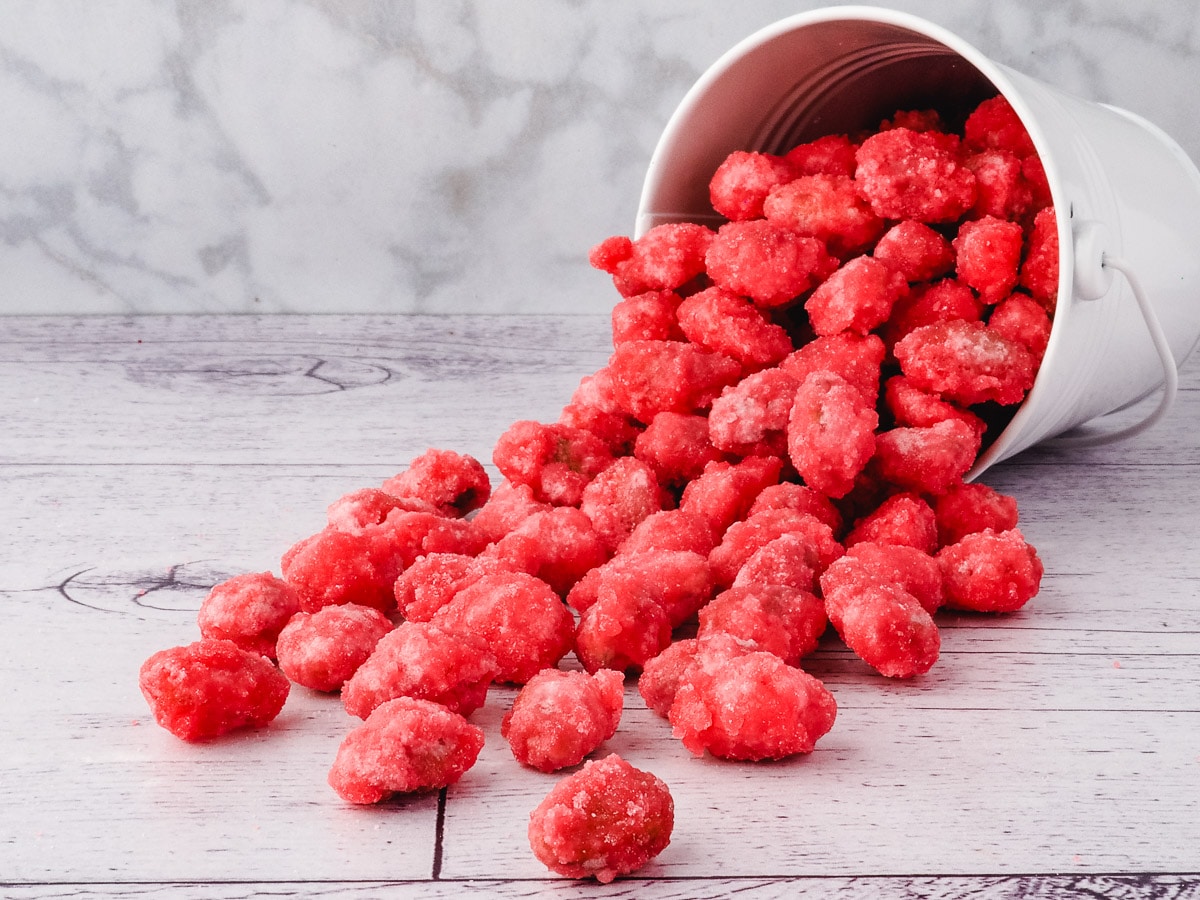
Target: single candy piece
<point x="968" y="508"/>
<point x="405" y="745"/>
<point x="801" y="498"/>
<point x="780" y="619"/>
<point x="1002" y="190"/>
<point x="670" y="529"/>
<point x="769" y="264"/>
<point x="452" y="482"/>
<point x="559" y="717"/>
<point x="520" y="619"/>
<point x="605" y="820"/>
<point x="966" y="363"/>
<point x="750" y="707"/>
<point x="915" y="120"/>
<point x="646" y="317"/>
<point x="556" y="461"/>
<point x="742" y="181"/>
<point x="911" y="406"/>
<point x="679" y="581"/>
<point x="1039" y="272"/>
<point x="742" y="539"/>
<point x="509" y="505"/>
<point x="249" y="610"/>
<point x="906" y="174"/>
<point x="869" y="563"/>
<point x="753" y="413"/>
<point x="662" y="675"/>
<point x="650" y="377"/>
<point x="559" y="546"/>
<point x="886" y="627"/>
<point x="322" y="650"/>
<point x="403" y="537"/>
<point x="724" y="491"/>
<point x="616" y="430"/>
<point x="363" y="508"/>
<point x="915" y="250"/>
<point x="858" y="297"/>
<point x="829" y="155"/>
<point x="1024" y="321"/>
<point x="831" y="433"/>
<point x="419" y="659"/>
<point x="622" y="629"/>
<point x="664" y="258"/>
<point x="620" y="497"/>
<point x="990" y="571"/>
<point x="903" y="518"/>
<point x="994" y="125"/>
<point x="431" y="582"/>
<point x="210" y="687"/>
<point x="829" y="208"/>
<point x="677" y="447"/>
<point x="927" y="460"/>
<point x="334" y="567"/>
<point x="928" y="304"/>
<point x="987" y="256"/>
<point x="728" y="324"/>
<point x="855" y="357"/>
<point x="787" y="560"/>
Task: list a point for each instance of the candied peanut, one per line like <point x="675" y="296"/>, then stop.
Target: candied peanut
<point x="405" y="745"/>
<point x="620" y="497"/>
<point x="831" y="433"/>
<point x="770" y="264"/>
<point x="750" y="707"/>
<point x="605" y="820"/>
<point x="829" y="208"/>
<point x="906" y="174"/>
<point x="453" y="483"/>
<point x="968" y="508"/>
<point x="990" y="571"/>
<point x="987" y="256"/>
<point x="249" y="610"/>
<point x="903" y="518"/>
<point x="211" y="687"/>
<point x="742" y="181"/>
<point x="915" y="250"/>
<point x="858" y="297"/>
<point x="966" y="363"/>
<point x="650" y="377"/>
<point x="784" y="620"/>
<point x="520" y="619"/>
<point x="726" y="323"/>
<point x="559" y="717"/>
<point x="419" y="659"/>
<point x="322" y="650"/>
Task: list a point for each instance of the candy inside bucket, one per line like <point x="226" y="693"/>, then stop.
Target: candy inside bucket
<point x="1122" y="189"/>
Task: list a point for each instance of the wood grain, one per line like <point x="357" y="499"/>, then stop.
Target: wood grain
<point x="1051" y="752"/>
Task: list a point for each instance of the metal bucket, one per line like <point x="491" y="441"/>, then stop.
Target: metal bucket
<point x="1127" y="197"/>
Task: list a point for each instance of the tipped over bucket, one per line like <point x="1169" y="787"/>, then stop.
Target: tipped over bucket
<point x="1126" y="196"/>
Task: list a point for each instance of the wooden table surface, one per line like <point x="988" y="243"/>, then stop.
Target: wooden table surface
<point x="1053" y="752"/>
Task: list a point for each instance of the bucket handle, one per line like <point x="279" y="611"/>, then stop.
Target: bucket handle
<point x="1161" y="346"/>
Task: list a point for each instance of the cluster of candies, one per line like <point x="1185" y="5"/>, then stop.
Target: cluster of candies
<point x="777" y="443"/>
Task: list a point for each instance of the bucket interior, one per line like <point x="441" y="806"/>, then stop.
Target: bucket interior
<point x="786" y="85"/>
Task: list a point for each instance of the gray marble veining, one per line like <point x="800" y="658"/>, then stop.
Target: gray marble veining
<point x="431" y="156"/>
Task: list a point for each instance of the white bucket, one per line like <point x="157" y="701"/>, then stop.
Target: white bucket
<point x="1126" y="195"/>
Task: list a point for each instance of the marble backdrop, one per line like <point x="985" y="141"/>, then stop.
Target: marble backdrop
<point x="430" y="156"/>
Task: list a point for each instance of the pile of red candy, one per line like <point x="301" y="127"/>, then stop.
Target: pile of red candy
<point x="777" y="443"/>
